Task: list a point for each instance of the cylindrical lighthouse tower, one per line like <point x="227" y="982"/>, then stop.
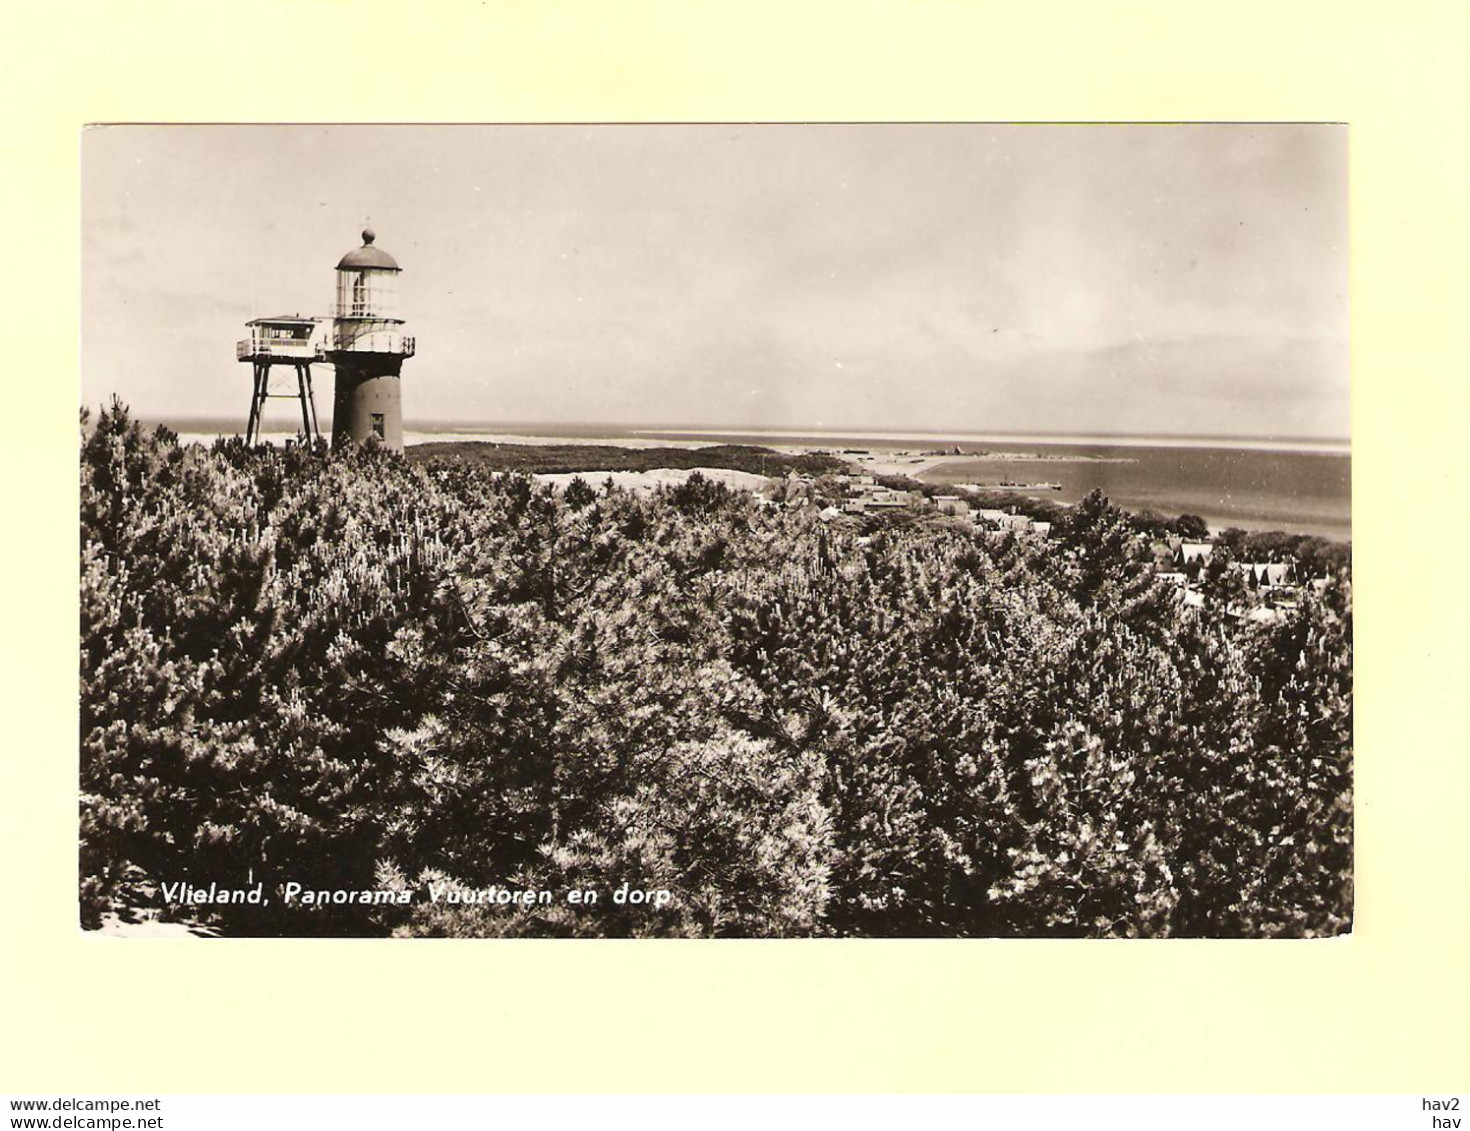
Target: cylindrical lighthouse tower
<point x="367" y="347"/>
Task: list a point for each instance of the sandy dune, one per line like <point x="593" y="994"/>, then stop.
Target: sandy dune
<point x="657" y="477"/>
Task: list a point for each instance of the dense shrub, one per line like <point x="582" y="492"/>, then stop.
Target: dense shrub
<point x="355" y="670"/>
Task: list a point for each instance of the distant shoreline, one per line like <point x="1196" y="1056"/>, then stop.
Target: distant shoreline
<point x="1284" y="510"/>
<point x="929" y="470"/>
<point x="1324" y="447"/>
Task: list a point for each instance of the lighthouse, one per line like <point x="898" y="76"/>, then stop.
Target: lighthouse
<point x="367" y="347"/>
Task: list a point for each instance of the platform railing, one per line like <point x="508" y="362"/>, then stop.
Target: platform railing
<point x="402" y="345"/>
<point x="247" y="348"/>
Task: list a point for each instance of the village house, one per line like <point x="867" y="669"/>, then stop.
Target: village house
<point x="868" y="495"/>
<point x="1189" y="553"/>
<point x="1268" y="575"/>
<point x="1005" y="520"/>
<point x="878" y="498"/>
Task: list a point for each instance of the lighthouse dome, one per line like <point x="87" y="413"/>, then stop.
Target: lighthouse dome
<point x="368" y="256"/>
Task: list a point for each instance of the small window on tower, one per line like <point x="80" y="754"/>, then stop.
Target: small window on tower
<point x="378" y="425"/>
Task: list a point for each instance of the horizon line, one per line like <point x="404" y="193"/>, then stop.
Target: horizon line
<point x="1142" y="439"/>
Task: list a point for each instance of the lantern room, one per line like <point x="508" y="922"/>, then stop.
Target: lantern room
<point x="367" y="282"/>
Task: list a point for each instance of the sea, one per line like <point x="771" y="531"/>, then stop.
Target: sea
<point x="1297" y="486"/>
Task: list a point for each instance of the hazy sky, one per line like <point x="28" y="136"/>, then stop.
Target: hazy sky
<point x="1094" y="279"/>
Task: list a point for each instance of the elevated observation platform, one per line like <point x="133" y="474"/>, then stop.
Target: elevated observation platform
<point x="268" y="349"/>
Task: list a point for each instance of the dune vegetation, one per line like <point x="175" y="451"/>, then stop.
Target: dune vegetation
<point x="360" y="671"/>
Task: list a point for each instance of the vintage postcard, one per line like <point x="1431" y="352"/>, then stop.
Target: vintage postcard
<point x="759" y="531"/>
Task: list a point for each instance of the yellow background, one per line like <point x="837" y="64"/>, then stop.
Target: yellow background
<point x="1385" y="1010"/>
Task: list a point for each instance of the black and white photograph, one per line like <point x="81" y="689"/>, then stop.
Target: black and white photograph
<point x="765" y="531"/>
